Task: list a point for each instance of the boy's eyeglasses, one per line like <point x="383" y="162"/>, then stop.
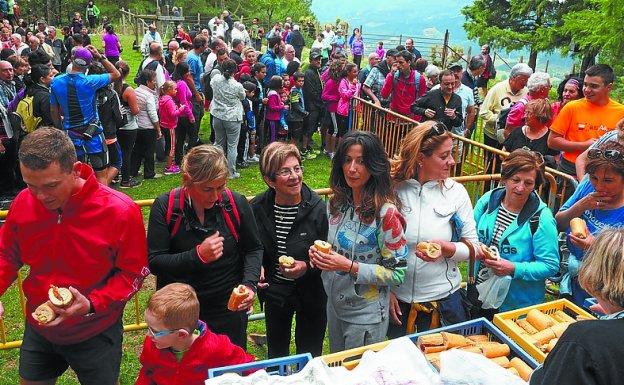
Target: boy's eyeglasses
<point x="607" y="154"/>
<point x="160" y="333"/>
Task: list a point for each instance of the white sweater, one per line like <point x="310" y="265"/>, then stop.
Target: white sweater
<point x="428" y="210"/>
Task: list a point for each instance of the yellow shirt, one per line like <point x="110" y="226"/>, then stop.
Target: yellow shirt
<point x="580" y="120"/>
<point x="497" y="98"/>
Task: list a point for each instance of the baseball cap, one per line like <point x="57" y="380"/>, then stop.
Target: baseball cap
<point x="315" y="54"/>
<point x="454" y="65"/>
<point x="82" y="57"/>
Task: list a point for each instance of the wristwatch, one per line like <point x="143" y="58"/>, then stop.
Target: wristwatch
<point x="91" y="310"/>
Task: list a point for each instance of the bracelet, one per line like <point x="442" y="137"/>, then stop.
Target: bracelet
<point x="351" y="268"/>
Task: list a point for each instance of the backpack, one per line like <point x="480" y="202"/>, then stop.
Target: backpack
<point x="501" y="121"/>
<point x="175" y="211"/>
<point x="25" y="112"/>
<point x="205" y="83"/>
<point x="153" y="65"/>
<point x="395" y="81"/>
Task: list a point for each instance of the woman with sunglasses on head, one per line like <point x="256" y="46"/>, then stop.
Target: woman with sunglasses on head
<point x="513" y="219"/>
<point x="369" y="251"/>
<point x="290" y="217"/>
<point x="599" y="201"/>
<point x="205" y="235"/>
<point x="437" y="210"/>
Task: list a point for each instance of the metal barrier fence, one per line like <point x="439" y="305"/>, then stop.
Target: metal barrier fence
<point x="472" y="157"/>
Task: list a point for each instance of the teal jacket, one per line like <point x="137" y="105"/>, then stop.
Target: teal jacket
<point x="535" y="256"/>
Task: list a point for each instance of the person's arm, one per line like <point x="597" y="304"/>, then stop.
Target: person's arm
<point x="108" y="66"/>
<point x="556" y="141"/>
<point x="515" y="118"/>
<point x="486" y="111"/>
<point x="129" y="96"/>
<point x="45" y="111"/>
<point x="422" y="89"/>
<point x="275" y="102"/>
<point x="161" y="258"/>
<point x="581" y="162"/>
<point x="10" y="260"/>
<point x="55" y="111"/>
<point x="130" y="255"/>
<point x="545" y="252"/>
<point x="387" y="86"/>
<point x="582" y="199"/>
<point x="249" y="244"/>
<point x="457" y="106"/>
<point x="471" y="112"/>
<point x="146" y="366"/>
<point x="421" y="105"/>
<point x="240" y="91"/>
<point x="345" y="90"/>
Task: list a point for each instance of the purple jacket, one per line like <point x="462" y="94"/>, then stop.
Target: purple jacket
<point x="357" y="47"/>
<point x="111" y="44"/>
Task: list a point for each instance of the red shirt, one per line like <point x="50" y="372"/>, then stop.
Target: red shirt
<point x="208" y="351"/>
<point x="404" y="93"/>
<point x="97" y="245"/>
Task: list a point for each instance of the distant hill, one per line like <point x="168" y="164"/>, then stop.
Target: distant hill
<point x="418" y="18"/>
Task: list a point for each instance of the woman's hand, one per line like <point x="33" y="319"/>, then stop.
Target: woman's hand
<point x="262" y="283"/>
<point x="395" y="310"/>
<point x="581" y="243"/>
<point x="448" y="250"/>
<point x="331" y="261"/>
<point x="298" y="269"/>
<point x="247" y="303"/>
<point x="500" y="266"/>
<point x="590" y="201"/>
<point x="211" y="248"/>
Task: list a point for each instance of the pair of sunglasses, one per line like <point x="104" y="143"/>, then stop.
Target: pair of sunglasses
<point x="606" y="154"/>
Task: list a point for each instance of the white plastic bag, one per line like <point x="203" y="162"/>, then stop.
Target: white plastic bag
<point x="458" y="367"/>
<point x="493" y="289"/>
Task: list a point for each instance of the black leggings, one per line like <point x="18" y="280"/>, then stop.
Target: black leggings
<point x="144" y="152"/>
<point x="233" y="324"/>
<point x="183" y="130"/>
<point x="126" y="139"/>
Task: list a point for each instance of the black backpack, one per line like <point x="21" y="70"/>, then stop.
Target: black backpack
<point x="153" y="65"/>
<point x="501" y="121"/>
<point x="205" y="83"/>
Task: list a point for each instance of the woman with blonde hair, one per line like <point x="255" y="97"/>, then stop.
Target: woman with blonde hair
<point x="368" y="247"/>
<point x="591" y="351"/>
<point x="205" y="235"/>
<point x="437" y="209"/>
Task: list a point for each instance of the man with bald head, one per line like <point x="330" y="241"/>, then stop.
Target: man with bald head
<point x="8" y="143"/>
<point x="172" y="48"/>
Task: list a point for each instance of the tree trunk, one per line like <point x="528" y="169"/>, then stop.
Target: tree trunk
<point x="533" y="59"/>
<point x="589" y="59"/>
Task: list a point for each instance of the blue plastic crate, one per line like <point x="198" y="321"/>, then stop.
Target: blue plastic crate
<point x="483" y="326"/>
<point x="591" y="302"/>
<point x="276" y="366"/>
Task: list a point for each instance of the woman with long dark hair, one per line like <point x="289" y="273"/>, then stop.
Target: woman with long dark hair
<point x="38" y="86"/>
<point x="126" y="135"/>
<point x="369" y="250"/>
<point x="182" y="76"/>
<point x="112" y="45"/>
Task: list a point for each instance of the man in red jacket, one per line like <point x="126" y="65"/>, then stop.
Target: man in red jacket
<point x="76" y="233"/>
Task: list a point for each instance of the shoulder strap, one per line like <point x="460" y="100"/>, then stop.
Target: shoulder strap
<point x="172" y="209"/>
<point x="416" y="84"/>
<point x="230" y="212"/>
<point x="534" y="222"/>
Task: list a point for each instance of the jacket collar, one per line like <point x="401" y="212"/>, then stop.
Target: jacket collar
<point x="530" y="207"/>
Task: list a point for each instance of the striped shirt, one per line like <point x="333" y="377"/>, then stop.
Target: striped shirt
<point x="503" y="220"/>
<point x="284" y="219"/>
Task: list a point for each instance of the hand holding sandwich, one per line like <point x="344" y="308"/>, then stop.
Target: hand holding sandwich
<point x="78" y="307"/>
<point x="447" y="249"/>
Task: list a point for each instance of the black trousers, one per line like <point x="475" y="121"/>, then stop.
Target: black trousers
<point x="126" y="139"/>
<point x="8" y="163"/>
<point x="143" y="152"/>
<point x="242" y="140"/>
<point x="311" y="123"/>
<point x="233" y="324"/>
<point x="182" y="131"/>
<point x="198" y="113"/>
<point x="310" y="317"/>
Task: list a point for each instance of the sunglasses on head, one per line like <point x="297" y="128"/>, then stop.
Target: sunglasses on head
<point x="438" y="128"/>
<point x="606" y="154"/>
<point x="535" y="154"/>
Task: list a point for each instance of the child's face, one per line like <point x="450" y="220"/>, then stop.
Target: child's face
<point x="283" y="96"/>
<point x="299" y="82"/>
<point x="285" y="82"/>
<point x="173" y="91"/>
<point x="249" y="94"/>
<point x="161" y="335"/>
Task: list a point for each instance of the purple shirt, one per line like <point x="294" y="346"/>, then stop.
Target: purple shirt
<point x="111" y="44"/>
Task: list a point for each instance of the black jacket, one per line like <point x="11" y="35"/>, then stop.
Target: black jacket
<point x="296" y="39"/>
<point x="310" y="224"/>
<point x="383" y="68"/>
<point x="434" y="100"/>
<point x="312" y="89"/>
<point x="176" y="260"/>
<point x="41" y="104"/>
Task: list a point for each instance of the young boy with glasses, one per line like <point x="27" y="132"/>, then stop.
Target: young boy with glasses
<point x="179" y="344"/>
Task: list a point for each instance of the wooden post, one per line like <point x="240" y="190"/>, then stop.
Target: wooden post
<point x="400" y="39"/>
<point x="547" y="62"/>
<point x="445" y="48"/>
<point x="198" y="18"/>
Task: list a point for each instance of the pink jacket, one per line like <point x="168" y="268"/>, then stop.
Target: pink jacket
<point x="275" y="106"/>
<point x="346" y="89"/>
<point x="185" y="98"/>
<point x="330" y="95"/>
<point x="169" y="111"/>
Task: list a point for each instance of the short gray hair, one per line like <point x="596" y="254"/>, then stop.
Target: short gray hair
<point x="477" y="61"/>
<point x="520" y="69"/>
<point x="537" y="81"/>
<point x="432" y="70"/>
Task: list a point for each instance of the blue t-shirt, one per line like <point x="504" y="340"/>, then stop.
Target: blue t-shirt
<point x="196" y="69"/>
<point x="597" y="220"/>
<point x="74" y="93"/>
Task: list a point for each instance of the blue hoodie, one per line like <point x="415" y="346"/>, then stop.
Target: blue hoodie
<point x="535" y="256"/>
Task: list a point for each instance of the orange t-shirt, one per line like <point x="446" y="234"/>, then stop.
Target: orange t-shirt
<point x="580" y="120"/>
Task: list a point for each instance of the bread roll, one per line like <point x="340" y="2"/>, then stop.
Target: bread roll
<point x="543" y="337"/>
<point x="433" y="339"/>
<point x="43" y="314"/>
<point x="502" y="361"/>
<point x="286" y="261"/>
<point x="489" y="252"/>
<point x="563" y="316"/>
<point x="430" y="249"/>
<point x="558" y="329"/>
<point x="322" y="246"/>
<point x="434" y="358"/>
<point x="60" y="296"/>
<point x="524" y="324"/>
<point x="513" y="370"/>
<point x="524" y="370"/>
<point x="239" y="293"/>
<point x="551" y="344"/>
<point x="514" y="327"/>
<point x="452" y="340"/>
<point x="493" y="350"/>
<point x="539" y="320"/>
<point x="578" y="228"/>
<point x="471" y="349"/>
<point x="476" y="338"/>
<point x="433" y="349"/>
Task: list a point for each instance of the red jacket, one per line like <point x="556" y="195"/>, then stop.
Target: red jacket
<point x="405" y="93"/>
<point x="209" y="350"/>
<point x="97" y="245"/>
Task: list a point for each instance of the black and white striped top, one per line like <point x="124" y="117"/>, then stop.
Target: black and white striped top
<point x="284" y="219"/>
<point x="503" y="219"/>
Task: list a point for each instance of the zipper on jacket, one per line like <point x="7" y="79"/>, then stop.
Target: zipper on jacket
<point x="60" y="216"/>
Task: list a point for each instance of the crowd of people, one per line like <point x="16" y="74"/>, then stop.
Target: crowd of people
<point x="88" y="126"/>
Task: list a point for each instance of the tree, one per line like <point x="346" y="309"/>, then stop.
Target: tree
<point x="520" y="24"/>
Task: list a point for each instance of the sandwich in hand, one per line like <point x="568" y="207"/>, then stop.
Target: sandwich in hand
<point x="60" y="296"/>
<point x="430" y="249"/>
<point x="489" y="252"/>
